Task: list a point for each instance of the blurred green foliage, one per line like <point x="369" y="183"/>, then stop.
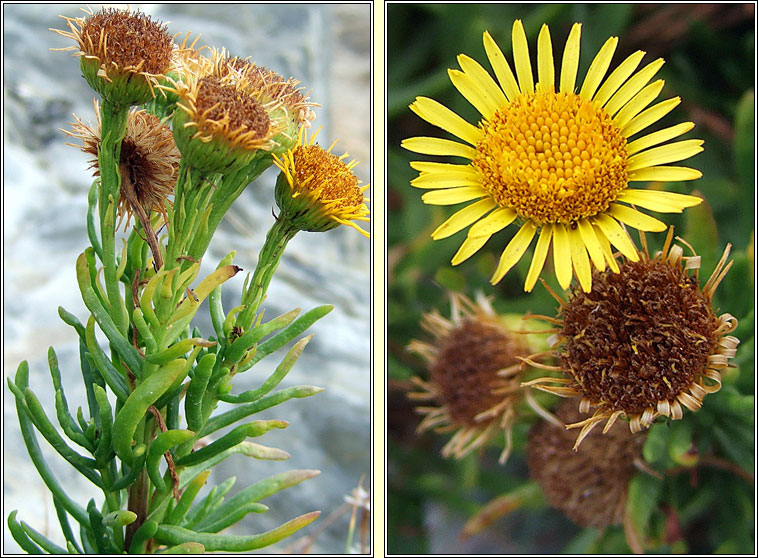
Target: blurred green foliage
<point x="710" y="54"/>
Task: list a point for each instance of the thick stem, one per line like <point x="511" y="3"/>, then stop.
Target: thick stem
<point x="230" y="187"/>
<point x="138" y="495"/>
<point x="191" y="189"/>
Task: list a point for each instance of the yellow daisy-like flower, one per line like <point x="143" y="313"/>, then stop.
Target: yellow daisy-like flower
<point x="316" y="190"/>
<point x="552" y="159"/>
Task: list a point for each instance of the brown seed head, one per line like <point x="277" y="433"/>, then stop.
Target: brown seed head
<point x="475" y="375"/>
<point x="223" y="103"/>
<point x="127" y="40"/>
<point x="149" y="160"/>
<point x="268" y="87"/>
<point x="642" y="343"/>
<point x="588" y="485"/>
<point x="466" y="367"/>
<point x="639" y="336"/>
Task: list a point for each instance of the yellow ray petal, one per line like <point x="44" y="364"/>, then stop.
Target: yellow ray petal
<point x="606" y="247"/>
<point x="658" y="137"/>
<point x="633" y="86"/>
<point x="636" y="219"/>
<point x="521" y="58"/>
<point x="430" y="180"/>
<point x="545" y="65"/>
<point x="502" y="69"/>
<point x="482" y="78"/>
<point x="592" y="243"/>
<point x="472" y="93"/>
<point x="617" y="235"/>
<point x="664" y="202"/>
<point x="439" y="115"/>
<point x="664" y="174"/>
<point x="579" y="259"/>
<point x="438" y="146"/>
<point x="538" y="261"/>
<point x="670" y="153"/>
<point x="649" y="116"/>
<point x="513" y="252"/>
<point x="492" y="223"/>
<point x="562" y="255"/>
<point x="618" y="77"/>
<point x="463" y="218"/>
<point x="433" y="167"/>
<point x="637" y="103"/>
<point x="597" y="70"/>
<point x="469" y="247"/>
<point x="452" y="196"/>
<point x="570" y="61"/>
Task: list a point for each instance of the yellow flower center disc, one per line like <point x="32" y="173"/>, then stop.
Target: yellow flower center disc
<point x="319" y="170"/>
<point x="552" y="157"/>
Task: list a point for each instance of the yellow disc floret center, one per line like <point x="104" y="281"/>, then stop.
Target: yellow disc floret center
<point x="552" y="157"/>
<point x="325" y="174"/>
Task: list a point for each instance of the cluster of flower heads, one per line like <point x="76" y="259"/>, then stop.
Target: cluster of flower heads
<point x="638" y="337"/>
<point x="228" y="112"/>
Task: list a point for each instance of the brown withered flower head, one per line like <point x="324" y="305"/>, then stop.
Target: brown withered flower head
<point x="282" y="96"/>
<point x="474" y="376"/>
<point x="123" y="54"/>
<point x="642" y="343"/>
<point x="148" y="166"/>
<point x="589" y="485"/>
<point x="219" y="125"/>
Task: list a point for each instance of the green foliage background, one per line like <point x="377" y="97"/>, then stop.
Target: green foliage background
<point x="709" y="51"/>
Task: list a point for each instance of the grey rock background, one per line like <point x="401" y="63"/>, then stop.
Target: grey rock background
<point x="45" y="183"/>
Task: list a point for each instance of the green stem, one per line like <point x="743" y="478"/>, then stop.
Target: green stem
<point x="139" y="492"/>
<point x="277" y="238"/>
<point x="113" y="122"/>
<point x="229" y="189"/>
<point x="190" y="191"/>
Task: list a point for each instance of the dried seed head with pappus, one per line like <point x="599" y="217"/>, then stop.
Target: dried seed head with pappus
<point x="123" y="53"/>
<point x="149" y="162"/>
<point x="475" y="375"/>
<point x="553" y="160"/>
<point x="644" y="342"/>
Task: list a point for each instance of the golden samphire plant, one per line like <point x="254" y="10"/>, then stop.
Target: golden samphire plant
<point x="180" y="135"/>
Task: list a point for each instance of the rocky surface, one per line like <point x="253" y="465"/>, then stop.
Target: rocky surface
<point x="326" y="47"/>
